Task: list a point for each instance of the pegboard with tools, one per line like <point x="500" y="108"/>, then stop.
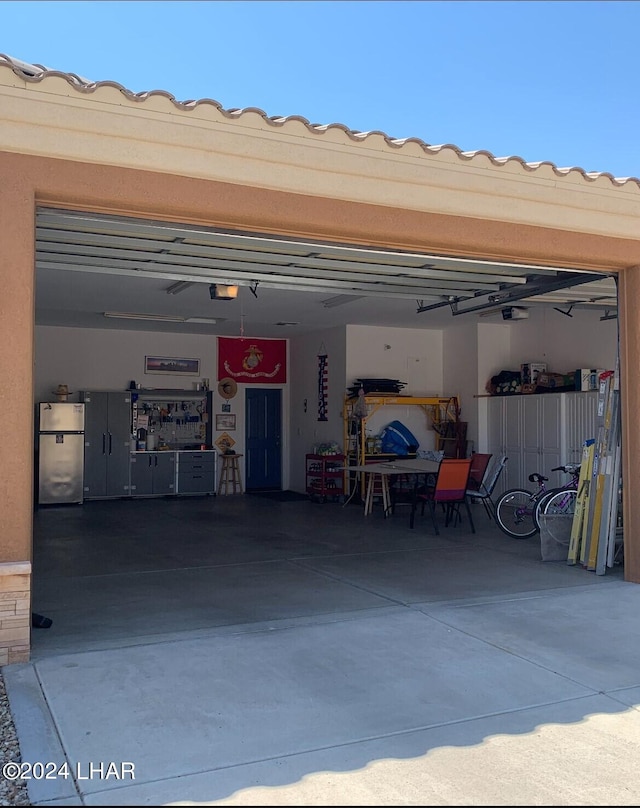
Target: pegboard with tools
<point x="177" y="418"/>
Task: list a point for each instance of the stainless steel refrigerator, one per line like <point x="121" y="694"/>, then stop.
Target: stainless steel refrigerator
<point x="60" y="447"/>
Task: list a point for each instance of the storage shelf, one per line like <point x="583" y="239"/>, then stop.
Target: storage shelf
<point x="324" y="476"/>
<point x="439" y="409"/>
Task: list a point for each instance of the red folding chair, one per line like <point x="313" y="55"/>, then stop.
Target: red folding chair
<point x="479" y="465"/>
<point x="450" y="491"/>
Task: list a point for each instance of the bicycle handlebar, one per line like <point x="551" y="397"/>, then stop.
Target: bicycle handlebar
<point x="570" y="468"/>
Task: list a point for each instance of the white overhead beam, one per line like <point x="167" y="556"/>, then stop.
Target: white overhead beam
<point x="100" y="244"/>
<point x="196" y="234"/>
<point x="292" y="284"/>
<point x="260" y="272"/>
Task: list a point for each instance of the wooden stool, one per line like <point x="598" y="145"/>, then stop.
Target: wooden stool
<point x="377" y="487"/>
<point x="230" y="476"/>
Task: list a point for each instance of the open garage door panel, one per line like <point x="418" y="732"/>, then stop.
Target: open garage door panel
<point x="171" y="259"/>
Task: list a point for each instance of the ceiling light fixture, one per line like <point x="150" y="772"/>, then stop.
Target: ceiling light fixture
<point x="205" y="320"/>
<point x="218" y="291"/>
<point x="129" y="315"/>
<point x="160" y="318"/>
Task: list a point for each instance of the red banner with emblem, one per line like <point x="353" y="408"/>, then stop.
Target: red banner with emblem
<point x="252" y="361"/>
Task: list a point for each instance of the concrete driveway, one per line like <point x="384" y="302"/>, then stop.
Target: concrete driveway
<point x="241" y="651"/>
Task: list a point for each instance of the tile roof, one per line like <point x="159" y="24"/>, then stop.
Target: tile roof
<point x="37" y="72"/>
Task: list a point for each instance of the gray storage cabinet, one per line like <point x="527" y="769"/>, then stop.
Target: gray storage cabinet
<point x="153" y="473"/>
<point x="196" y="472"/>
<point x="107" y="443"/>
<point x="539" y="432"/>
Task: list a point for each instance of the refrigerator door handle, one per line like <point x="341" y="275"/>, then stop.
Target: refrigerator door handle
<point x="110" y="441"/>
<point x="104" y="443"/>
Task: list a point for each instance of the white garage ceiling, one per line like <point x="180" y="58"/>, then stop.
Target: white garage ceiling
<point x="89" y="265"/>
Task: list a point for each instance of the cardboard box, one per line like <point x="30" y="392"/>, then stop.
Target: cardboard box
<point x="530" y="370"/>
<point x="565" y="381"/>
<point x="588" y="378"/>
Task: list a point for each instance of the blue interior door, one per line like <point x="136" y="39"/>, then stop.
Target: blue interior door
<point x="263" y="439"/>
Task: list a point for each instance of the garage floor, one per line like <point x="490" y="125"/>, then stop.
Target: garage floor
<point x="118" y="572"/>
<point x="239" y="651"/>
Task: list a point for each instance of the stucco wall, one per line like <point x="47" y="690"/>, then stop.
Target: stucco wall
<point x="407" y="355"/>
<point x="108" y="359"/>
<point x="52" y="115"/>
<point x="305" y="429"/>
<point x="17" y="264"/>
<point x="460" y="362"/>
<point x="565" y="343"/>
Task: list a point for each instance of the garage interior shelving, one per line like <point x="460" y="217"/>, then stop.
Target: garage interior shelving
<point x="442" y="413"/>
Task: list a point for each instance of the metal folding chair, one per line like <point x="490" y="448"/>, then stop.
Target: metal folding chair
<point x="484" y="492"/>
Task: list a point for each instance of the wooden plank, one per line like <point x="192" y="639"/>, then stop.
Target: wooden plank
<point x="595" y="499"/>
<point x="582" y="501"/>
<point x="591" y="499"/>
<point x="609" y="538"/>
<point x="595" y="527"/>
<point x="601" y="507"/>
<point x="614" y="529"/>
<point x="611" y="471"/>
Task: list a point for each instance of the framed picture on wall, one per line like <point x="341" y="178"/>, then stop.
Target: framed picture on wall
<point x="171" y="364"/>
<point x="225" y="421"/>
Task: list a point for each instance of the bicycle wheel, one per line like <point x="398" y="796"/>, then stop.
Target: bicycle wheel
<point x="514" y="513"/>
<point x="537" y="511"/>
<point x="557" y="502"/>
<point x="555" y="518"/>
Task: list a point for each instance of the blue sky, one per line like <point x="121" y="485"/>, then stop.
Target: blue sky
<point x="553" y="81"/>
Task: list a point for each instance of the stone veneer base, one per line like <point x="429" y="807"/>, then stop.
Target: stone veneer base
<point x="15" y="612"/>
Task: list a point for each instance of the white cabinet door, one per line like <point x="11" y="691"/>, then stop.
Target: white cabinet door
<point x="551" y="414"/>
<point x="531" y="415"/>
<point x="495" y="425"/>
<point x="542" y="436"/>
<point x="505" y="437"/>
<point x="496" y="428"/>
<point x="580" y="420"/>
<point x="539" y="433"/>
<point x="513" y="473"/>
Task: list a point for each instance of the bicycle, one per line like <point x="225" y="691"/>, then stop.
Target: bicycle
<point x="518" y="510"/>
<point x="560" y="501"/>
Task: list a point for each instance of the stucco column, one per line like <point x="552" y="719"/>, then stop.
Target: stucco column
<point x="629" y="329"/>
<point x="17" y="281"/>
